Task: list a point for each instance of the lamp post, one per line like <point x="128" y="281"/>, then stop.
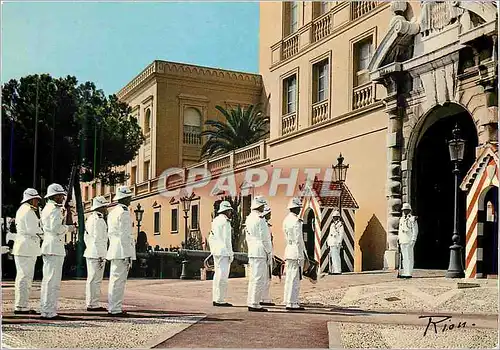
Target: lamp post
<point x="186" y="205"/>
<point x="339" y="176"/>
<point x="456" y="146"/>
<point x="139" y="212"/>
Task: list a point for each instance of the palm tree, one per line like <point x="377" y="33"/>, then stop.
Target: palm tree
<point x="242" y="127"/>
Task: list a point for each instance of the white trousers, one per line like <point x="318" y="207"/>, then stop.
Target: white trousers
<point x="266" y="289"/>
<point x="408" y="260"/>
<point x="118" y="273"/>
<point x="221" y="276"/>
<point x="95" y="272"/>
<point x="51" y="284"/>
<point x="25" y="270"/>
<point x="292" y="283"/>
<point x="259" y="273"/>
<point x="335" y="265"/>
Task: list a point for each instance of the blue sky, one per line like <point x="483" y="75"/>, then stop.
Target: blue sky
<point x="109" y="43"/>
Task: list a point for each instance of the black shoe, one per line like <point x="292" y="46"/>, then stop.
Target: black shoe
<point x="119" y="314"/>
<point x="300" y="308"/>
<point x="56" y="317"/>
<point x="222" y="304"/>
<point x="100" y="308"/>
<point x="267" y="304"/>
<point x="256" y="309"/>
<point x="26" y="312"/>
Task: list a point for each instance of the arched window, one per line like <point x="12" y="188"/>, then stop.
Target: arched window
<point x="147" y="121"/>
<point x="192" y="126"/>
<point x="490" y="212"/>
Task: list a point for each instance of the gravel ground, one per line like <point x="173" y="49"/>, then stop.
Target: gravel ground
<point x="412" y="337"/>
<point x="123" y="333"/>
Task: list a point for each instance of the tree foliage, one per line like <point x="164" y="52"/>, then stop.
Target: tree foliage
<point x="77" y="125"/>
<point x="242" y="127"/>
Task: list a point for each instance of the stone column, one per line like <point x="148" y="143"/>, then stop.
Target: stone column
<point x="393" y="186"/>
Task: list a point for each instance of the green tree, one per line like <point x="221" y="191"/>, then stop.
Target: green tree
<point x="77" y="126"/>
<point x="242" y="127"/>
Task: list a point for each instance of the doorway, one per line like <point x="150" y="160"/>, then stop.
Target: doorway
<point x="432" y="185"/>
<point x="308" y="229"/>
<point x="490" y="233"/>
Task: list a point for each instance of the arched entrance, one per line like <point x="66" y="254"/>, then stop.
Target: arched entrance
<point x="308" y="229"/>
<point x="432" y="184"/>
<point x="489" y="241"/>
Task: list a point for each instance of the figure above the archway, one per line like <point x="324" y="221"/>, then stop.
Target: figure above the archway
<point x="436" y="15"/>
<point x="407" y="236"/>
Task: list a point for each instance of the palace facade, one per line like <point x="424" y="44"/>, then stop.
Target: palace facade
<point x="383" y="84"/>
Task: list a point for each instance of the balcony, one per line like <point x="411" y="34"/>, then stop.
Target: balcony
<point x="320" y="112"/>
<point x="290" y="46"/>
<point x="288" y="123"/>
<point x="192" y="135"/>
<point x="322" y="27"/>
<point x="363" y="96"/>
<point x="361" y="8"/>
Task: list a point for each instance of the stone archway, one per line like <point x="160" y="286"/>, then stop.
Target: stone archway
<point x="430" y="182"/>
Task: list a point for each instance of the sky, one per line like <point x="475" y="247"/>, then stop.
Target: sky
<point x="109" y="43"/>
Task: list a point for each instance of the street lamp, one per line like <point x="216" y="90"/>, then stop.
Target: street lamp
<point x="456" y="146"/>
<point x="186" y="205"/>
<point x="339" y="176"/>
<point x="139" y="212"/>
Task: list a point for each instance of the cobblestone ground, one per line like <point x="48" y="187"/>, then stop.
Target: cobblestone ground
<point x="373" y="310"/>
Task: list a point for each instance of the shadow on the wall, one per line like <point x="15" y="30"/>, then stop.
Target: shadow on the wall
<point x="372" y="245"/>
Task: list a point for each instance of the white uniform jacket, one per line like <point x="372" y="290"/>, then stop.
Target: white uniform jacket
<point x="27" y="238"/>
<point x="408" y="230"/>
<point x="258" y="236"/>
<point x="294" y="240"/>
<point x="121" y="236"/>
<point x="336" y="234"/>
<point x="53" y="229"/>
<point x="219" y="238"/>
<point x="96" y="236"/>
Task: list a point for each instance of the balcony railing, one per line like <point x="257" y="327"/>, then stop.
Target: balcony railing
<point x="361" y="8"/>
<point x="322" y="27"/>
<point x="192" y="135"/>
<point x="320" y="112"/>
<point x="290" y="46"/>
<point x="288" y="123"/>
<point x="363" y="96"/>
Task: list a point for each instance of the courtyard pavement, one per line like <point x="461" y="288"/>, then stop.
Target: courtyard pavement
<point x="355" y="310"/>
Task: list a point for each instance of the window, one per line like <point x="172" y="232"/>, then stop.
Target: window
<point x="86" y="193"/>
<point x="147" y="121"/>
<point x="192" y="126"/>
<point x="94" y="190"/>
<point x="290" y="17"/>
<point x="146" y="173"/>
<point x="175" y="221"/>
<point x="362" y="56"/>
<point x="320" y="8"/>
<point x="133" y="175"/>
<point x="289" y="94"/>
<point x="157" y="223"/>
<point x="294" y="17"/>
<point x="320" y="81"/>
<point x="194" y="217"/>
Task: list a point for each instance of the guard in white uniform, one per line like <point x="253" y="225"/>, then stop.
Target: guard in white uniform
<point x="266" y="299"/>
<point x="121" y="251"/>
<point x="295" y="252"/>
<point x="96" y="242"/>
<point x="221" y="248"/>
<point x="26" y="249"/>
<point x="334" y="241"/>
<point x="259" y="253"/>
<point x="407" y="236"/>
<point x="53" y="251"/>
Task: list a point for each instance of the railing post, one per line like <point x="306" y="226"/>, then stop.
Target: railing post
<point x="184" y="275"/>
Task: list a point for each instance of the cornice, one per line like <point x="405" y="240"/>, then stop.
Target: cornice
<point x="183" y="70"/>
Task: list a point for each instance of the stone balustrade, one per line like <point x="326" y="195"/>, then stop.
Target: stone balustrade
<point x="290" y="46"/>
<point x="289" y="123"/>
<point x="322" y="27"/>
<point x="320" y="112"/>
<point x="363" y="96"/>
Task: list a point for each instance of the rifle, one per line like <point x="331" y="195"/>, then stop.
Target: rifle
<point x="69" y="196"/>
